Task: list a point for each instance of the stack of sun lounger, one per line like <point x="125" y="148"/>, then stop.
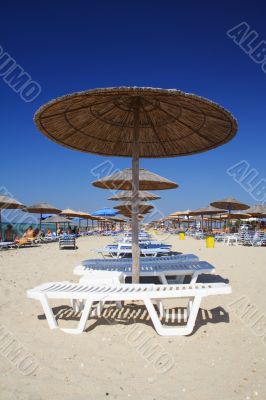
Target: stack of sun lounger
<point x="67" y="241"/>
<point x="102" y="282"/>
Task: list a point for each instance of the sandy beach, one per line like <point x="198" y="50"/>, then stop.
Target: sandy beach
<point x="115" y="358"/>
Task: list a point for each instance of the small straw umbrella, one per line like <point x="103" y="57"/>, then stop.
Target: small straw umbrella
<point x="208" y="210"/>
<point x="58" y="219"/>
<point x="127" y="195"/>
<point x="123" y="180"/>
<point x="87" y="216"/>
<point x="43" y="208"/>
<point x="136" y="122"/>
<point x="257" y="211"/>
<point x="68" y="212"/>
<point x="8" y="203"/>
<point x="127" y="207"/>
<point x="230" y="204"/>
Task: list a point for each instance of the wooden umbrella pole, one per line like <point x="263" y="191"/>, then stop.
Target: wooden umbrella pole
<point x="135" y="197"/>
<point x="0" y="225"/>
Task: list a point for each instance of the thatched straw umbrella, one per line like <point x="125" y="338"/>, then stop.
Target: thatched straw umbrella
<point x="8" y="203"/>
<point x="123" y="180"/>
<point x="68" y="212"/>
<point x="208" y="210"/>
<point x="127" y="195"/>
<point x="127" y="207"/>
<point x="43" y="208"/>
<point x="87" y="216"/>
<point x="57" y="219"/>
<point x="257" y="211"/>
<point x="230" y="204"/>
<point x="136" y="122"/>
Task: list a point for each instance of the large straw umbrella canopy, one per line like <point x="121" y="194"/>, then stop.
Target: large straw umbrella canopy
<point x="208" y="210"/>
<point x="123" y="180"/>
<point x="230" y="204"/>
<point x="127" y="195"/>
<point x="43" y="208"/>
<point x="136" y="122"/>
<point x="8" y="203"/>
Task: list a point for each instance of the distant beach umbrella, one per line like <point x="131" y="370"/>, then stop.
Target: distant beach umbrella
<point x="127" y="207"/>
<point x="8" y="203"/>
<point x="57" y="219"/>
<point x="208" y="210"/>
<point x="105" y="212"/>
<point x="136" y="122"/>
<point x="127" y="195"/>
<point x="68" y="212"/>
<point x="43" y="208"/>
<point x="257" y="211"/>
<point x="235" y="215"/>
<point x="229" y="204"/>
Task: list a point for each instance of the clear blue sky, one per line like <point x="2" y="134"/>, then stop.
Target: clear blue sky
<point x="69" y="46"/>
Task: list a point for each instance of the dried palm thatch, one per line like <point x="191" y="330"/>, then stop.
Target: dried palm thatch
<point x="101" y="121"/>
<point x="127" y="195"/>
<point x="41" y="208"/>
<point x="230" y="204"/>
<point x="122" y="180"/>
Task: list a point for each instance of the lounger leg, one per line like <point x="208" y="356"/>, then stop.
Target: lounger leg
<point x="169" y="331"/>
<point x="83" y="319"/>
<point x="163" y="279"/>
<point x="160" y="307"/>
<point x="194" y="277"/>
<point x="48" y="312"/>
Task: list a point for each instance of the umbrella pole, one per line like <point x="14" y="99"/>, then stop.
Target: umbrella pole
<point x="40" y="221"/>
<point x="0" y="225"/>
<point x="228" y="220"/>
<point x="135" y="197"/>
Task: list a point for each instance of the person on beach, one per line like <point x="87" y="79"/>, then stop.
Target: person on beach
<point x="9" y="234"/>
<point x="49" y="232"/>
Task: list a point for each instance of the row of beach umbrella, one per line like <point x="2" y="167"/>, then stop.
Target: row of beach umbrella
<point x="136" y="122"/>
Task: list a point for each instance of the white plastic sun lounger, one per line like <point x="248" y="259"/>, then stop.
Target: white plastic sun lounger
<point x="168" y="271"/>
<point x="145" y="293"/>
<point x="126" y="250"/>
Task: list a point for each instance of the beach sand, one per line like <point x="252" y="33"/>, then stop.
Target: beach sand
<point x="224" y="358"/>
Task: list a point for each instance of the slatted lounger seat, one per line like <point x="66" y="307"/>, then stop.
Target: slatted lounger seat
<point x="67" y="242"/>
<point x="170" y="271"/>
<point x="145" y="293"/>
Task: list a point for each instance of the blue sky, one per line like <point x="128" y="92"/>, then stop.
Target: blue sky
<point x="69" y="46"/>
